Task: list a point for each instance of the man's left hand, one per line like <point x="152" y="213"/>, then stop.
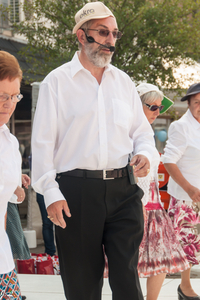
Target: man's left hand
<point x="141" y="165"/>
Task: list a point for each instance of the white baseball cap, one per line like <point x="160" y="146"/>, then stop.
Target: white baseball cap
<point x="91" y="10"/>
<point x="144" y="88"/>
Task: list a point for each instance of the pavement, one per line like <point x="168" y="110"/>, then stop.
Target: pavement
<point x="49" y="287"/>
<point x="43" y="287"/>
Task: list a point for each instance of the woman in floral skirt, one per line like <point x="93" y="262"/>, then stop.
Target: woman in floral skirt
<point x="182" y="161"/>
<point x="160" y="251"/>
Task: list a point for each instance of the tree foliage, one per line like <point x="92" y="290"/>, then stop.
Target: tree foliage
<point x="158" y="35"/>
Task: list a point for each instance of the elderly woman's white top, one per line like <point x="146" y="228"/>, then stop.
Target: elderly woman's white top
<point x="183" y="149"/>
<point x="10" y="174"/>
<point x="144" y="182"/>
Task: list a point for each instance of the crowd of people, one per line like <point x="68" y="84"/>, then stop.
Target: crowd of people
<point x="95" y="166"/>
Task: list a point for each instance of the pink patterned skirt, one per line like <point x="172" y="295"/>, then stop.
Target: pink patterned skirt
<point x="185" y="217"/>
<point x="160" y="250"/>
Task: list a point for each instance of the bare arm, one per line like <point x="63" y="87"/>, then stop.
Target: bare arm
<point x="175" y="173"/>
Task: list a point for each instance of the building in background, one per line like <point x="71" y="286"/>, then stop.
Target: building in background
<point x="20" y="123"/>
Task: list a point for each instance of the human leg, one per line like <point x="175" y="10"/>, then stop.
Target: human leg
<point x="103" y="212"/>
<point x="185" y="285"/>
<point x="185" y="217"/>
<point x="122" y="236"/>
<point x="154" y="284"/>
<point x="80" y="243"/>
<point x="47" y="227"/>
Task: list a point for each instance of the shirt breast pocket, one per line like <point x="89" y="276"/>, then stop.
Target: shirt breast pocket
<point x="122" y="113"/>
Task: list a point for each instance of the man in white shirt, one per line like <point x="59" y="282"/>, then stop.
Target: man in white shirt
<point x="89" y="118"/>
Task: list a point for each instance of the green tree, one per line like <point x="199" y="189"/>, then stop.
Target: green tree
<point x="157" y="36"/>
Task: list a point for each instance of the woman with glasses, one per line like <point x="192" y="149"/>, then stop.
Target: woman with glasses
<point x="10" y="169"/>
<point x="182" y="161"/>
<point x="160" y="252"/>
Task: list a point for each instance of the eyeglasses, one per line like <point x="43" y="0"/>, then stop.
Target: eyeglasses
<point x="14" y="98"/>
<point x="154" y="107"/>
<point x="105" y="33"/>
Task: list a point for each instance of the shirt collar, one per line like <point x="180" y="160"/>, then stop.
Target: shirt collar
<point x="110" y="68"/>
<point x="4" y="129"/>
<point x="77" y="66"/>
<point x="195" y="124"/>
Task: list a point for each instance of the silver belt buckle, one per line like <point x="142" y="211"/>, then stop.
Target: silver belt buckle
<point x="105" y="174"/>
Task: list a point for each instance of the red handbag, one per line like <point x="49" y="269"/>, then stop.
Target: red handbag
<point x="45" y="257"/>
<point x="43" y="264"/>
<point x="25" y="266"/>
<point x="39" y="264"/>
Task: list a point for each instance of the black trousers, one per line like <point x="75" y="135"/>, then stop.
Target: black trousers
<point x="107" y="212"/>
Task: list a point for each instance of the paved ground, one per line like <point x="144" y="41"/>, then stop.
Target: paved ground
<point x="49" y="287"/>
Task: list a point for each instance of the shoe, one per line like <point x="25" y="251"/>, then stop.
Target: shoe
<point x="23" y="297"/>
<point x="182" y="296"/>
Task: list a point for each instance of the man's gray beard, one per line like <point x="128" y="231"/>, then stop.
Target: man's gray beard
<point x="98" y="59"/>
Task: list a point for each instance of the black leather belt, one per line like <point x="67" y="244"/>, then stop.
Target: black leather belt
<point x="98" y="174"/>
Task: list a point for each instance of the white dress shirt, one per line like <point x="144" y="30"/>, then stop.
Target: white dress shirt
<point x="81" y="124"/>
<point x="10" y="176"/>
<point x="183" y="149"/>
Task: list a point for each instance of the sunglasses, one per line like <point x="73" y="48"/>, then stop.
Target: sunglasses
<point x="154" y="107"/>
<point x="105" y="33"/>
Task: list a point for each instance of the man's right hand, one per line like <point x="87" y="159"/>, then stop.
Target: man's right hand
<point x="55" y="212"/>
